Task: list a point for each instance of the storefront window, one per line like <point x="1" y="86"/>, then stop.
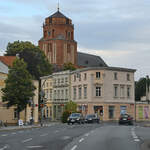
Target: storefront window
<point x="111" y="112"/>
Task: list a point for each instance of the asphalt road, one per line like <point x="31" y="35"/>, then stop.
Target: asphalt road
<point x="77" y="137"/>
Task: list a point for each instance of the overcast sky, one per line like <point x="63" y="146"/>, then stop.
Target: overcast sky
<point x="116" y="30"/>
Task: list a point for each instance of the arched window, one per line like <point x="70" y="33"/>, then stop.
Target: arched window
<point x="53" y="33"/>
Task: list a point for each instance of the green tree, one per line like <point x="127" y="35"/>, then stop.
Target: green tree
<point x="69" y="66"/>
<point x="19" y="87"/>
<point x="37" y="63"/>
<point x="140" y="88"/>
<point x="71" y="106"/>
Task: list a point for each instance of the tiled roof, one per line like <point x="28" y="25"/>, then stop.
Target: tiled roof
<point x="58" y="14"/>
<point x="7" y="60"/>
<point x="88" y="60"/>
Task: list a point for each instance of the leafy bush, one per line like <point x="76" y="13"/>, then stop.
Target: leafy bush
<point x="65" y="116"/>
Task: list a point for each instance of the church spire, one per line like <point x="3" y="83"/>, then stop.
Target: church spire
<point x="58" y="6"/>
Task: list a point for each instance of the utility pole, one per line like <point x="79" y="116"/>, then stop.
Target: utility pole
<point x="147" y="89"/>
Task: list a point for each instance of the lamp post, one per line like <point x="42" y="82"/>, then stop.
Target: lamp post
<point x="147" y="89"/>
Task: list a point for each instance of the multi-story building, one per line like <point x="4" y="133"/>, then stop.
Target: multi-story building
<point x="57" y="93"/>
<point x="10" y="115"/>
<point x="107" y="91"/>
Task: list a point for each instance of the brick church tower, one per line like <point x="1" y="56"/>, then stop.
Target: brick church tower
<point x="58" y="41"/>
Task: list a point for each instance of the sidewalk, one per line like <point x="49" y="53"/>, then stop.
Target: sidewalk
<point x="8" y="128"/>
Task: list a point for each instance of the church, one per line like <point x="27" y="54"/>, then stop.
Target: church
<point x="60" y="47"/>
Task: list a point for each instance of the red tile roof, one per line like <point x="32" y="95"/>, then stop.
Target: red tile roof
<point x="7" y="60"/>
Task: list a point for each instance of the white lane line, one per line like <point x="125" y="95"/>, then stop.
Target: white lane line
<point x="136" y="140"/>
<point x="74" y="147"/>
<point x="4" y="134"/>
<point x="14" y="133"/>
<point x="32" y="147"/>
<point x="27" y="140"/>
<point x="82" y="139"/>
<point x="5" y="147"/>
<point x="56" y="131"/>
<point x="44" y="134"/>
<point x="87" y="134"/>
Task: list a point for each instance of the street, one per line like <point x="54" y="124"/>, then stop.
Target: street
<point x="104" y="136"/>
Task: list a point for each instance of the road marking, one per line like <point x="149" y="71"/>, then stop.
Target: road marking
<point x="34" y="147"/>
<point x="56" y="131"/>
<point x="31" y="147"/>
<point x="44" y="134"/>
<point x="82" y="139"/>
<point x="4" y="134"/>
<point x="136" y="140"/>
<point x="74" y="147"/>
<point x="5" y="147"/>
<point x="87" y="134"/>
<point x="14" y="133"/>
<point x="65" y="137"/>
<point x="27" y="140"/>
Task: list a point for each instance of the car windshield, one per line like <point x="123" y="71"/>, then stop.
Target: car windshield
<point x="75" y="115"/>
<point x="125" y="115"/>
<point x="90" y="116"/>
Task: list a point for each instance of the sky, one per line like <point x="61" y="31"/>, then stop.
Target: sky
<point x="116" y="30"/>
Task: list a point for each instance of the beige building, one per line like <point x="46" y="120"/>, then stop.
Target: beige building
<point x="57" y="93"/>
<point x="10" y="115"/>
<point x="108" y="91"/>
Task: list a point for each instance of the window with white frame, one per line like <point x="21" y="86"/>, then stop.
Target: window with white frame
<point x="58" y="94"/>
<point x="74" y="93"/>
<point x="66" y="80"/>
<point x="74" y="78"/>
<point x="115" y="76"/>
<point x="51" y="94"/>
<point x="128" y="77"/>
<point x="85" y="92"/>
<point x="58" y="81"/>
<point x="98" y="90"/>
<point x="122" y="91"/>
<point x="62" y="94"/>
<point x="66" y="93"/>
<point x="115" y="91"/>
<point x="80" y="92"/>
<point x="85" y="76"/>
<point x="128" y="91"/>
<point x="98" y="75"/>
<point x="54" y="94"/>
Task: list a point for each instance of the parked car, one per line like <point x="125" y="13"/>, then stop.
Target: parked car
<point x="75" y="118"/>
<point x="126" y="119"/>
<point x="92" y="118"/>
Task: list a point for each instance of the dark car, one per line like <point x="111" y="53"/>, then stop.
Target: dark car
<point x="75" y="118"/>
<point x="126" y="119"/>
<point x="92" y="118"/>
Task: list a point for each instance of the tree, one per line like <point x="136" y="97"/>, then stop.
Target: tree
<point x="19" y="87"/>
<point x="71" y="106"/>
<point x="37" y="63"/>
<point x="69" y="66"/>
<point x="140" y="88"/>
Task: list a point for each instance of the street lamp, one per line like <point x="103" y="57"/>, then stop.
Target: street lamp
<point x="147" y="89"/>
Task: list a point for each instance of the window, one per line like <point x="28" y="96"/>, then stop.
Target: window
<point x="49" y="33"/>
<point x="47" y="84"/>
<point x="66" y="80"/>
<point x="15" y="113"/>
<point x="62" y="80"/>
<point x="54" y="82"/>
<point x="98" y="91"/>
<point x="98" y="74"/>
<point x="111" y="112"/>
<point x="85" y="92"/>
<point x="58" y="81"/>
<point x="115" y="91"/>
<point x="58" y="94"/>
<point x="115" y="76"/>
<point x="66" y="95"/>
<point x="80" y="92"/>
<point x="85" y="76"/>
<point x="51" y="94"/>
<point x="128" y="77"/>
<point x="123" y="110"/>
<point x="74" y="78"/>
<point x="74" y="93"/>
<point x="122" y="91"/>
<point x="54" y="94"/>
<point x="62" y="94"/>
<point x="128" y="92"/>
<point x="79" y="77"/>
